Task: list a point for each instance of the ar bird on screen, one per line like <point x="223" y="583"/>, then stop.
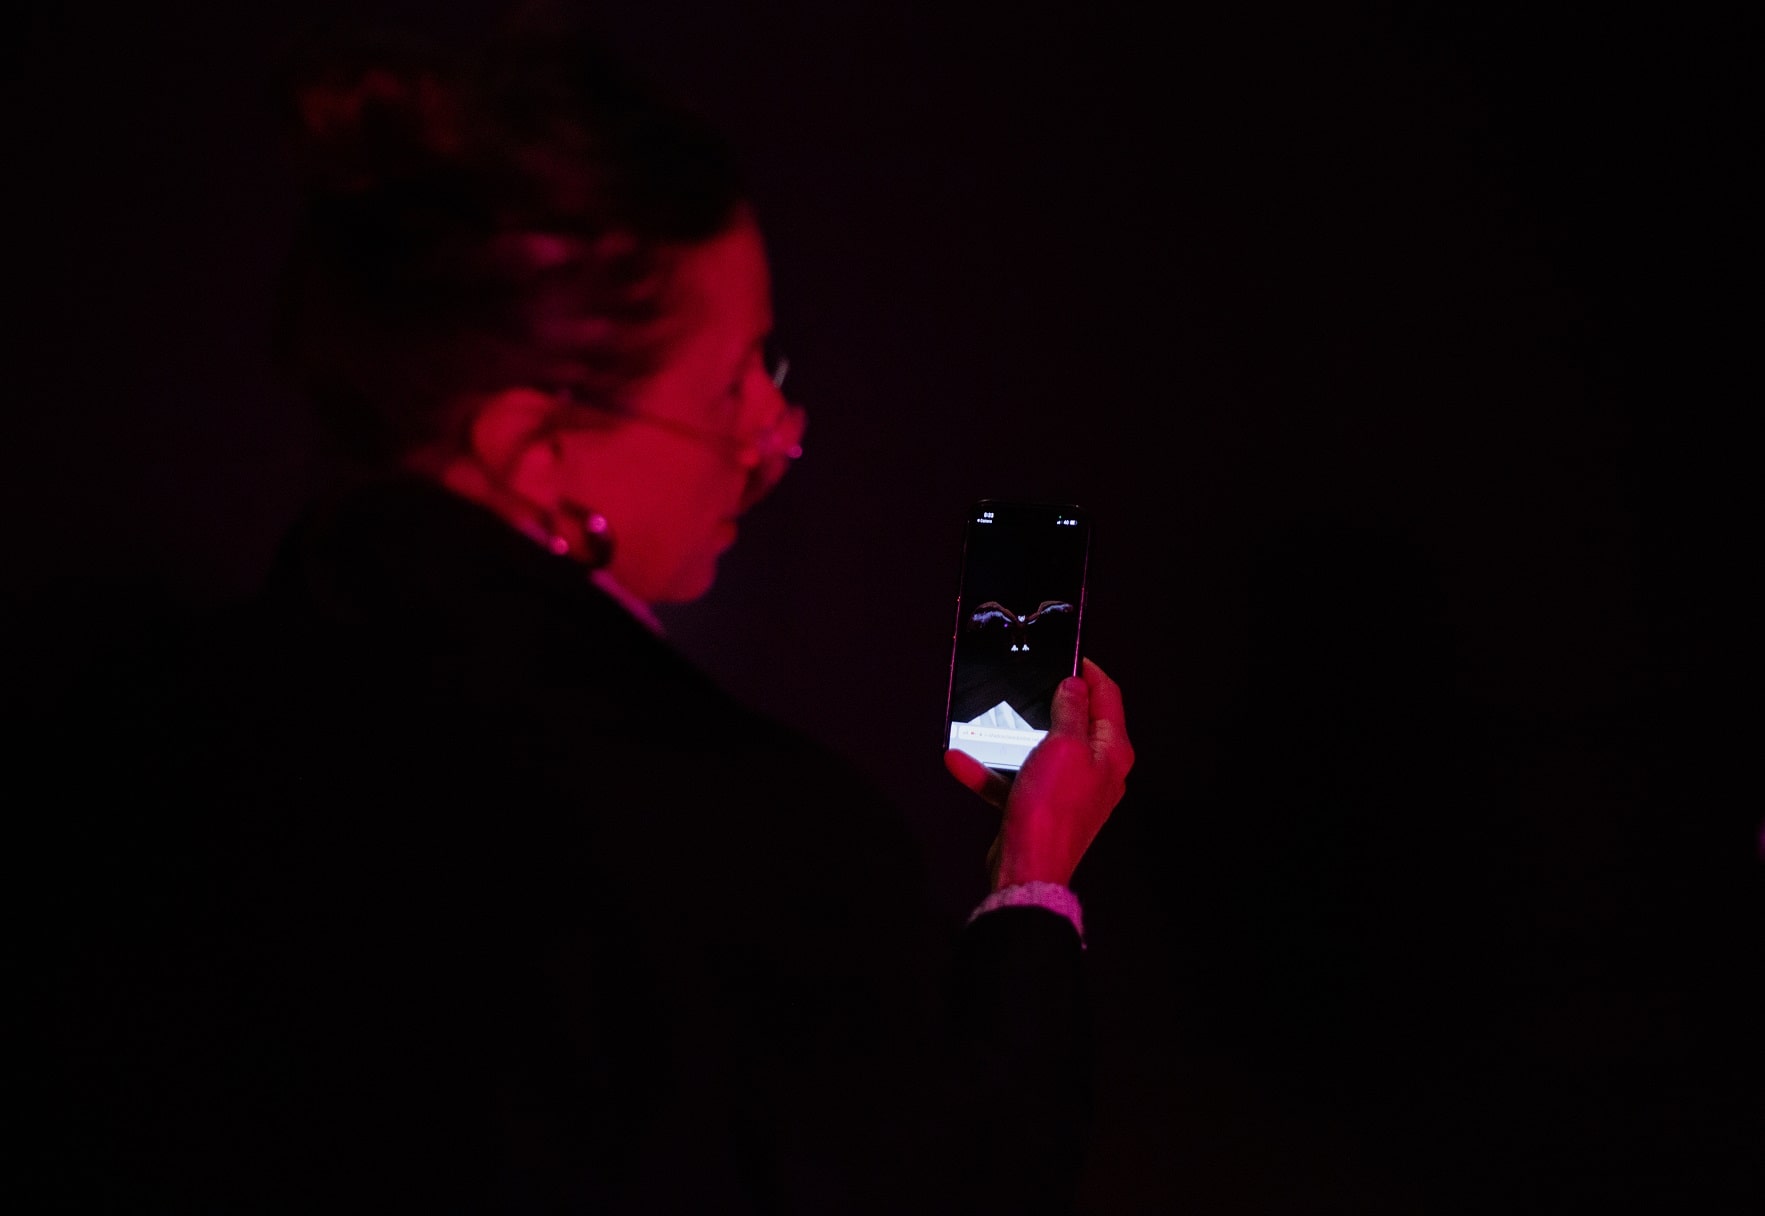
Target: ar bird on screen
<point x="993" y="614"/>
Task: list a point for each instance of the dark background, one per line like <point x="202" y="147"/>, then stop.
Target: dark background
<point x="1391" y="347"/>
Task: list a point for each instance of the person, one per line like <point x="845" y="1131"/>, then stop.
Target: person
<point x="494" y="901"/>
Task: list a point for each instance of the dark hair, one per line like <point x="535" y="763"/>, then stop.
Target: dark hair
<point x="481" y="218"/>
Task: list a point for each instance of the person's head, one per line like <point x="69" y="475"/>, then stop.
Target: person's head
<point x="523" y="275"/>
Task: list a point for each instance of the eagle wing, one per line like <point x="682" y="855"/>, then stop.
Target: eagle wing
<point x="1047" y="607"/>
<point x="992" y="612"/>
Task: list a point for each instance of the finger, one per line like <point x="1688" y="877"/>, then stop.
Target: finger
<point x="1108" y="727"/>
<point x="1105" y="695"/>
<point x="977" y="777"/>
<point x="1070" y="712"/>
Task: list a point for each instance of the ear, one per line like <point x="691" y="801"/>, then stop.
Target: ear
<point x="514" y="439"/>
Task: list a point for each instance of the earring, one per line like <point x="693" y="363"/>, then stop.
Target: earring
<point x="581" y="533"/>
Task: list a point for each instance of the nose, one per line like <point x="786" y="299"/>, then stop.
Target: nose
<point x="772" y="452"/>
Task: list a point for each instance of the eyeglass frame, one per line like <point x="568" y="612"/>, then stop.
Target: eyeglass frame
<point x="753" y="451"/>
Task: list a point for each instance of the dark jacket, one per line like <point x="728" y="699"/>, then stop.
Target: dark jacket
<point x="482" y="898"/>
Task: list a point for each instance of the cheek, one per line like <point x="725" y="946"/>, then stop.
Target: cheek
<point x="715" y="484"/>
<point x="690" y="505"/>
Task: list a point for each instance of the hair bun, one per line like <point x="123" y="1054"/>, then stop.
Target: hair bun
<point x="355" y="133"/>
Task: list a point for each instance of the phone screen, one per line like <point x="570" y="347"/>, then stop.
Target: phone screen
<point x="1019" y="606"/>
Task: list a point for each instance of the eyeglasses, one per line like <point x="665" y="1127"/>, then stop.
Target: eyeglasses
<point x="766" y="453"/>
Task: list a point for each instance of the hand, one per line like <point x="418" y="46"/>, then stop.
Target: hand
<point x="1065" y="790"/>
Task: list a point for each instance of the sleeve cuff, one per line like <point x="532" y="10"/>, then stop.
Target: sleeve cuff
<point x="1050" y="895"/>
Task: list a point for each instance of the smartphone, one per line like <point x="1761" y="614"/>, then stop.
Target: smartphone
<point x="1020" y="603"/>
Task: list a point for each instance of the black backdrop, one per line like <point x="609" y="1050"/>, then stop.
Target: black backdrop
<point x="1388" y="347"/>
